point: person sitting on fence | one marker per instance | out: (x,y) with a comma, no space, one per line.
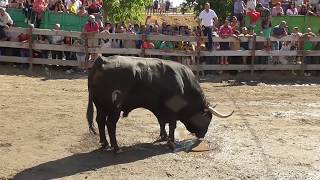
(82,12)
(235,25)
(277,10)
(5,22)
(225,31)
(57,40)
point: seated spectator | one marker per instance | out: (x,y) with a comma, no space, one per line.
(15,4)
(5,22)
(292,11)
(73,6)
(59,7)
(94,8)
(306,11)
(27,10)
(225,31)
(82,12)
(277,10)
(234,24)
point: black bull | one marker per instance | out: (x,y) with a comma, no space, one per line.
(168,89)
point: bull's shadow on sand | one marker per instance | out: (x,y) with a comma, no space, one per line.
(93,160)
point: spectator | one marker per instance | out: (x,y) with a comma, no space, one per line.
(13,37)
(81,56)
(208,20)
(239,9)
(251,5)
(15,4)
(59,7)
(167,6)
(225,31)
(67,41)
(27,10)
(94,8)
(254,17)
(298,2)
(82,12)
(91,25)
(155,6)
(5,22)
(265,24)
(38,8)
(279,31)
(318,9)
(4,3)
(292,11)
(73,6)
(277,10)
(234,24)
(313,3)
(51,4)
(244,45)
(42,39)
(265,3)
(24,38)
(56,40)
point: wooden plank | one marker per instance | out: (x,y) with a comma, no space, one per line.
(53,47)
(225,53)
(312,53)
(124,36)
(50,32)
(276,53)
(257,67)
(14,59)
(14,44)
(104,50)
(17,29)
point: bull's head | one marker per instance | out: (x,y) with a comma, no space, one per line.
(198,124)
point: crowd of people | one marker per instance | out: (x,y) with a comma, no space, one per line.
(210,25)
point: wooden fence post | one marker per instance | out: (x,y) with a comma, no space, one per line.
(253,53)
(198,55)
(30,48)
(86,49)
(303,65)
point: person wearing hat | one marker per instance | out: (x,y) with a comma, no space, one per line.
(5,22)
(265,16)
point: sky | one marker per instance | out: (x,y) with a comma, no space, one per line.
(176,2)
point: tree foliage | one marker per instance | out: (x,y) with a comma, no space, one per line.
(223,8)
(125,10)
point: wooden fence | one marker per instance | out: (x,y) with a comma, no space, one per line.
(253,53)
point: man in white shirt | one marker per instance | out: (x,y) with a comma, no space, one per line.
(5,22)
(208,19)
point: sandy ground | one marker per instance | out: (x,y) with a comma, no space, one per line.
(274,134)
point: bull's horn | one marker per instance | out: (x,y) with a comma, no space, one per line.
(216,113)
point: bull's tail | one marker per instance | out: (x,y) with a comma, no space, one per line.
(90,109)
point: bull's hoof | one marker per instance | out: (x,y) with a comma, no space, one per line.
(161,139)
(171,145)
(104,146)
(117,150)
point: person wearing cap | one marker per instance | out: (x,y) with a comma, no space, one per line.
(208,19)
(265,16)
(279,31)
(5,22)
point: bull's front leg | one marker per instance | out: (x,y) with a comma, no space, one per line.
(111,125)
(172,128)
(101,121)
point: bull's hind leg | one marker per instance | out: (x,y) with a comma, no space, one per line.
(101,121)
(112,124)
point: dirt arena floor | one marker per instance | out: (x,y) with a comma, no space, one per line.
(274,133)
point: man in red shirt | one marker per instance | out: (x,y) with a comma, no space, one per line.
(91,25)
(225,31)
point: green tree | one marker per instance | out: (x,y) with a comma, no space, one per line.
(125,10)
(223,8)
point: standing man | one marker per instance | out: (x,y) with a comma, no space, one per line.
(265,15)
(208,19)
